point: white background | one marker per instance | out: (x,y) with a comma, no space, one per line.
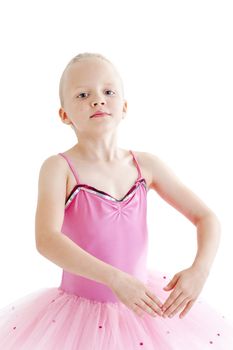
(175,58)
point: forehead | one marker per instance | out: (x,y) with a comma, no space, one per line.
(90,71)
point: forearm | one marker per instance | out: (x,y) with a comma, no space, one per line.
(208,238)
(61,250)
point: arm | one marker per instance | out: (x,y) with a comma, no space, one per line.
(61,250)
(208,237)
(186,284)
(50,242)
(175,193)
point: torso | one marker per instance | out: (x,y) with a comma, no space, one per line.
(115,179)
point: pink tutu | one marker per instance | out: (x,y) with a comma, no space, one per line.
(52,319)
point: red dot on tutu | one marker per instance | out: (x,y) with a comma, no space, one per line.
(218,334)
(52,301)
(141,343)
(53,320)
(164,277)
(100,326)
(211,342)
(14,327)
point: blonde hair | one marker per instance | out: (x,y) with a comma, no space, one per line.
(78,58)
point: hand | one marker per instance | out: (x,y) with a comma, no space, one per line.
(187,286)
(135,295)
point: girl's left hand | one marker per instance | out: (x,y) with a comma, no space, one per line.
(188,284)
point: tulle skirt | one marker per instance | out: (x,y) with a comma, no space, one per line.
(51,319)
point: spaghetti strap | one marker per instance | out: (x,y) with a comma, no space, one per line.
(76,175)
(137,165)
(71,167)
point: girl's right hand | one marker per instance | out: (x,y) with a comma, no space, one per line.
(135,295)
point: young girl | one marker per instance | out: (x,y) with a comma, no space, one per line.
(91,221)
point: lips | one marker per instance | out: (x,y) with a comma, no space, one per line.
(99,114)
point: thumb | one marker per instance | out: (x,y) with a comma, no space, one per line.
(171,284)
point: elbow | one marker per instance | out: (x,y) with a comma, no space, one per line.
(40,244)
(39,248)
(43,241)
(212,219)
(209,215)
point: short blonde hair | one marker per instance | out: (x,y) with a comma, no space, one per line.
(78,58)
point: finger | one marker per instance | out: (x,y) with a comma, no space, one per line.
(172,311)
(154,298)
(175,304)
(152,304)
(187,308)
(170,300)
(172,282)
(137,310)
(146,308)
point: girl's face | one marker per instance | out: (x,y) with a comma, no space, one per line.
(91,85)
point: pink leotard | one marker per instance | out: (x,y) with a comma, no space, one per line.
(114,231)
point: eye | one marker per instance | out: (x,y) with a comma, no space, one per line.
(111,91)
(82,93)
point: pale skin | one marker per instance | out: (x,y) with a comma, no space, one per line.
(97,148)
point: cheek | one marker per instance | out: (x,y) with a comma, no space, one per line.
(117,104)
(78,110)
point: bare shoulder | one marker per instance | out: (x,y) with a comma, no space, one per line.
(51,198)
(54,161)
(155,167)
(148,162)
(170,187)
(52,168)
(141,161)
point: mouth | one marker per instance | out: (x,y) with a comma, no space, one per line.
(97,115)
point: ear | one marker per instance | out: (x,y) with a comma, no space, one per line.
(125,106)
(64,116)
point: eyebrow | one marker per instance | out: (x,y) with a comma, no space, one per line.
(86,86)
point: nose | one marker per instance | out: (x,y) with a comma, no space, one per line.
(98,100)
(100,103)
